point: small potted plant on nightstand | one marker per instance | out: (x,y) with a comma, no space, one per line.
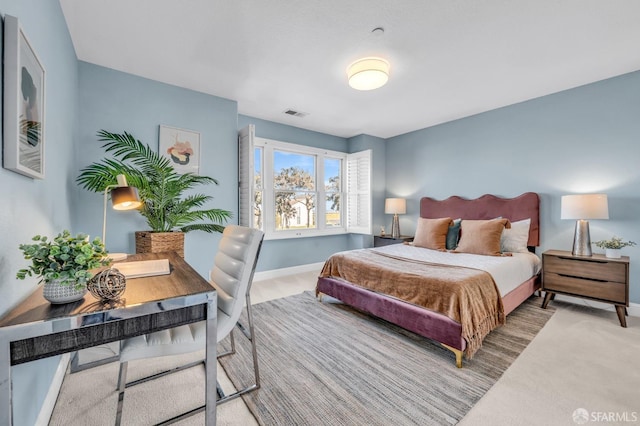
(64,264)
(613,246)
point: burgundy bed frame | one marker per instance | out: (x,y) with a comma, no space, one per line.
(428,323)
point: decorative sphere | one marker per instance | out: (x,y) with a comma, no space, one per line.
(107,285)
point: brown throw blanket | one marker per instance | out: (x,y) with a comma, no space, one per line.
(468,296)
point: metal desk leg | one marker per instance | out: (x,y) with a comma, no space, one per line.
(5,383)
(211,361)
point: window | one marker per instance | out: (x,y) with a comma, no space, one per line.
(291,190)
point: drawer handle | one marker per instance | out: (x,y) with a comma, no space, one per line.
(585,260)
(583,278)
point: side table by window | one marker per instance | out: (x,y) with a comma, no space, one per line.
(379,241)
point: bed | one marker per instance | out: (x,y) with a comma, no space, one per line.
(386,278)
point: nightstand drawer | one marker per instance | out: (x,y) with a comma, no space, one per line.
(605,290)
(587,268)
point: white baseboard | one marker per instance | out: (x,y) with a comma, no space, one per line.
(276,273)
(52,396)
(633,309)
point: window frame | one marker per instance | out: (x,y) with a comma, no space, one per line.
(268,191)
(355,217)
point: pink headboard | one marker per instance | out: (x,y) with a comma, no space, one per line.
(488,206)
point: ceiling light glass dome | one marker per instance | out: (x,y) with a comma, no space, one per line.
(368,73)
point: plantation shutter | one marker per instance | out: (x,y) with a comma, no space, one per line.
(358,185)
(246,138)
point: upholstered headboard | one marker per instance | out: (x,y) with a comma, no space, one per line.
(488,206)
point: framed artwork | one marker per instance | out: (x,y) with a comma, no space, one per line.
(181,147)
(24,91)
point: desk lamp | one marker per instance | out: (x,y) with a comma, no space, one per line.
(123,197)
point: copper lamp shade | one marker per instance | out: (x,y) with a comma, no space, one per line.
(125,198)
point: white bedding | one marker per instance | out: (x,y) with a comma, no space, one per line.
(508,272)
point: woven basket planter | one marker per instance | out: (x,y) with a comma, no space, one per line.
(156,242)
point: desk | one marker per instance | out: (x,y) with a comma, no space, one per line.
(36,329)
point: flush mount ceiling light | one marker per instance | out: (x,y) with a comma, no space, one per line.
(368,73)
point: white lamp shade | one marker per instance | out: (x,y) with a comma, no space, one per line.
(584,206)
(395,206)
(368,73)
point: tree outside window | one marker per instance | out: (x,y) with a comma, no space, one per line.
(295,190)
(332,179)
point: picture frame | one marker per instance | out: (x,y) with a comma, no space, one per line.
(181,147)
(23,103)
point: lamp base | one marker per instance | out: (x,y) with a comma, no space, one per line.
(395,227)
(582,239)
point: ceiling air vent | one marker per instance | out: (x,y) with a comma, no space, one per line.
(296,113)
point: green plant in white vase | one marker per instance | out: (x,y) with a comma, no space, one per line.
(65,260)
(613,245)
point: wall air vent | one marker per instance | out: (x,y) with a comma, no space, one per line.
(296,113)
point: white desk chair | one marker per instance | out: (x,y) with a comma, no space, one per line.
(232,275)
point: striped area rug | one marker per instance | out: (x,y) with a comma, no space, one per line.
(328,364)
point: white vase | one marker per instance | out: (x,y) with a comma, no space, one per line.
(613,253)
(56,292)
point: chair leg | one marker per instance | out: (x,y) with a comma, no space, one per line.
(250,334)
(252,338)
(122,376)
(253,342)
(233,346)
(233,342)
(158,375)
(122,384)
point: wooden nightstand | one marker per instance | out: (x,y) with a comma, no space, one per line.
(597,277)
(387,240)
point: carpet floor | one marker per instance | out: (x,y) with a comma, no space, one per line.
(325,363)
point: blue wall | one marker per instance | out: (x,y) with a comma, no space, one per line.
(45,207)
(583,140)
(118,102)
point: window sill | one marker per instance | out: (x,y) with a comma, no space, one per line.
(300,233)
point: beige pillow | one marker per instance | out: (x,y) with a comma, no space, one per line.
(515,240)
(432,233)
(481,236)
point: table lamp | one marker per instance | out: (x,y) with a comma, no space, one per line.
(395,206)
(581,208)
(123,197)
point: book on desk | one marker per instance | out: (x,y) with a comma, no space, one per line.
(143,268)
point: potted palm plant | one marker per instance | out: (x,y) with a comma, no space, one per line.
(168,210)
(64,264)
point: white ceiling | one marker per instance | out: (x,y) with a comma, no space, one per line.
(449,58)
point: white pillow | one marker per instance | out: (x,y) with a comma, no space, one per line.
(515,240)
